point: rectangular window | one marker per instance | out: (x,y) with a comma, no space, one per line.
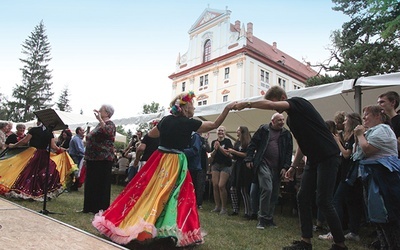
(225,98)
(205,80)
(183,86)
(282,82)
(202,103)
(262,75)
(201,81)
(226,73)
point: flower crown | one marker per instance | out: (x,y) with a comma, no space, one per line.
(176,109)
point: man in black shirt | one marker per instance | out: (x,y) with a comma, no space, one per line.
(317,143)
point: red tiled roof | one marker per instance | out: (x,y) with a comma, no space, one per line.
(278,56)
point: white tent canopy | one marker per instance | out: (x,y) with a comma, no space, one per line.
(349,95)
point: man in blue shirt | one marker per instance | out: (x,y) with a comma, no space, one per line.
(76,151)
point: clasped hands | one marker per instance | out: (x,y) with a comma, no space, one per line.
(359,130)
(237,105)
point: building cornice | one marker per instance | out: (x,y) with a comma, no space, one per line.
(251,52)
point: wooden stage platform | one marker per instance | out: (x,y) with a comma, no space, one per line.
(21,228)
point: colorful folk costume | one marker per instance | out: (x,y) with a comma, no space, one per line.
(23,175)
(159,202)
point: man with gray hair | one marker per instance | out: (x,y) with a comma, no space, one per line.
(269,155)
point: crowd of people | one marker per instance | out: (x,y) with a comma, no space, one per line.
(347,167)
(361,152)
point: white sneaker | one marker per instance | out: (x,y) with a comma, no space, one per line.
(327,236)
(352,236)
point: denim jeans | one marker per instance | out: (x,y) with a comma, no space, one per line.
(264,176)
(254,197)
(269,184)
(276,187)
(319,178)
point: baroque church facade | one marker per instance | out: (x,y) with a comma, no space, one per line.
(227,62)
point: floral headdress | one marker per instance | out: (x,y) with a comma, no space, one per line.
(176,109)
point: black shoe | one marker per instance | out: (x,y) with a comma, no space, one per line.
(261,224)
(298,245)
(233,213)
(336,247)
(271,223)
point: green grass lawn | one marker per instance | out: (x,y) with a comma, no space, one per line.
(223,232)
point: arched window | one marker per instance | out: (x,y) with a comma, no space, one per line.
(207,51)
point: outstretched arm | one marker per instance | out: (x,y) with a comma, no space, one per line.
(209,125)
(279,106)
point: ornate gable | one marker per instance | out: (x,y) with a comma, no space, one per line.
(208,16)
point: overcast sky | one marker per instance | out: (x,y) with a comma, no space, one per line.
(121,52)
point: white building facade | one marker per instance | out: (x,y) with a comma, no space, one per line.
(226,62)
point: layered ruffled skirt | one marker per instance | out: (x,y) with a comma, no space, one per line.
(24,175)
(158,202)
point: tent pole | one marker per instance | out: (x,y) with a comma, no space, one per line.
(357,99)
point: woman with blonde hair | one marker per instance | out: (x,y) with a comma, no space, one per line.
(221,168)
(160,202)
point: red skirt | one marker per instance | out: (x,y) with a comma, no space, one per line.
(158,202)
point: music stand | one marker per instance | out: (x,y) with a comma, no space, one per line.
(51,121)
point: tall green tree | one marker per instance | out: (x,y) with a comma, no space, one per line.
(154,107)
(3,108)
(63,100)
(366,45)
(34,93)
(385,8)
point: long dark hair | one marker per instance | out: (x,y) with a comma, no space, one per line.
(353,119)
(245,136)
